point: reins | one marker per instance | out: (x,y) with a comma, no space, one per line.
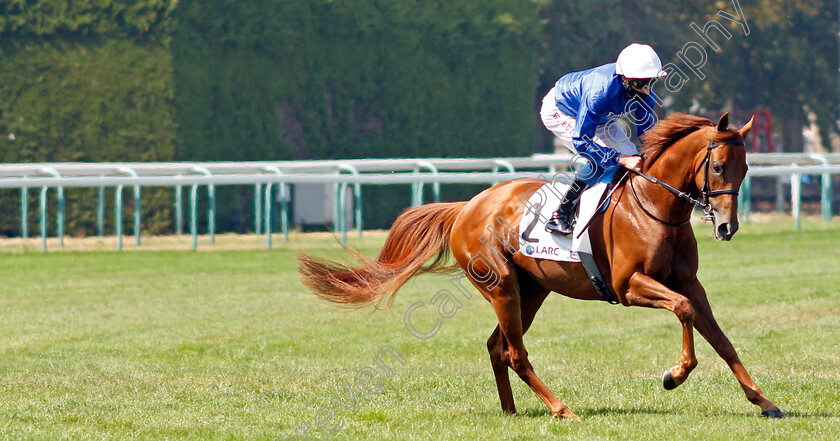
(667,187)
(706,192)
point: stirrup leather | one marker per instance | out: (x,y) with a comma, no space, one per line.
(563,220)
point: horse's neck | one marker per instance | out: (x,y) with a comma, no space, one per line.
(677,164)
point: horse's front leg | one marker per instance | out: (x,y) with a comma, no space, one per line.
(645,291)
(706,324)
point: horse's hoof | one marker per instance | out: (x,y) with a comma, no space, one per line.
(773,413)
(668,381)
(567,414)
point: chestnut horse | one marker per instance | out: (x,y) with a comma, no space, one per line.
(643,245)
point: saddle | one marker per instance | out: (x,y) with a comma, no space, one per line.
(537,243)
(538,206)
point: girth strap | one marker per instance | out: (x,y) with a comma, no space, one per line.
(596,278)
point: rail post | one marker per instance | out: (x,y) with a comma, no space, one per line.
(24,212)
(417,187)
(825,190)
(137,213)
(796,198)
(341,203)
(60,218)
(506,164)
(284,214)
(211,204)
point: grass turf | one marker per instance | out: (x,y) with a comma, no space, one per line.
(228,345)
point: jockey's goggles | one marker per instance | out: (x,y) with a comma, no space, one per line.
(640,83)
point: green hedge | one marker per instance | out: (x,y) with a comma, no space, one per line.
(110,80)
(320,79)
(85,99)
(26,18)
(351,79)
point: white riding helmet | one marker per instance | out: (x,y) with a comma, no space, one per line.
(639,61)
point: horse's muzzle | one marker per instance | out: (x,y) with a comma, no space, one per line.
(726,230)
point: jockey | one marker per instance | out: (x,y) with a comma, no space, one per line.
(582,109)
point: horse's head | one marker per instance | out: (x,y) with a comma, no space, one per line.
(721,168)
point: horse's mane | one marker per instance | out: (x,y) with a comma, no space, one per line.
(667,132)
(672,129)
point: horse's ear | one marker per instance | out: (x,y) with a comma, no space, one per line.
(723,123)
(746,129)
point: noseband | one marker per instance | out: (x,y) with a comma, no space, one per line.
(706,192)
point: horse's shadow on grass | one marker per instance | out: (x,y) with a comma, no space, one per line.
(601,411)
(608,411)
(795,414)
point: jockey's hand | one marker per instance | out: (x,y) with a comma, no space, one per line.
(631,162)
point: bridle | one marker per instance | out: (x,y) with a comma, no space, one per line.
(705,191)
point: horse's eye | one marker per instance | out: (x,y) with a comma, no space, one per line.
(717,167)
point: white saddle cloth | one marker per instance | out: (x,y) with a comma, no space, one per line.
(536,242)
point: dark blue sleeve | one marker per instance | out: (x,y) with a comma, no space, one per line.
(589,113)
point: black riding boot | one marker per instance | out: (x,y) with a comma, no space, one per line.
(563,220)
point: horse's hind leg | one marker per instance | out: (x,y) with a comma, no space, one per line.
(496,278)
(498,348)
(509,310)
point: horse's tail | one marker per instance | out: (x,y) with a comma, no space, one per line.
(418,234)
